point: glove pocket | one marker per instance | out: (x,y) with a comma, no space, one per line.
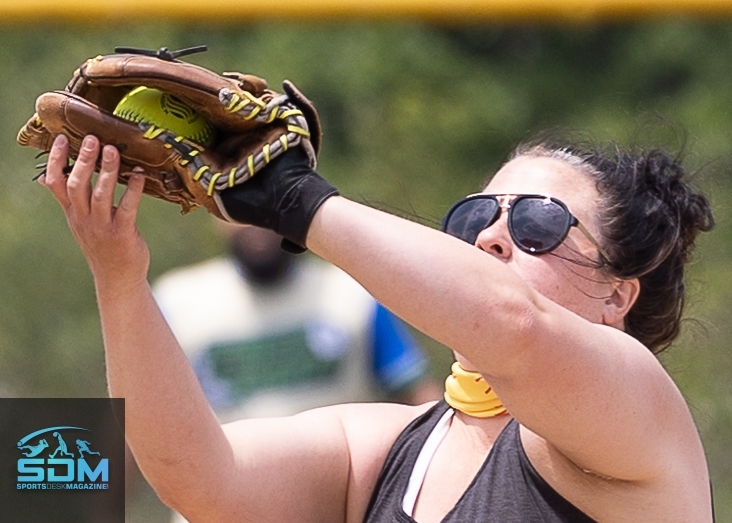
(60,112)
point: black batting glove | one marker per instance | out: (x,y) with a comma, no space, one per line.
(283,197)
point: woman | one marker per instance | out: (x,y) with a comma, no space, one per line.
(555,302)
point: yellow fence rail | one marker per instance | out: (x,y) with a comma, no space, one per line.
(434,10)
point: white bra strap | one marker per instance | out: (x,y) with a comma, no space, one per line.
(423,461)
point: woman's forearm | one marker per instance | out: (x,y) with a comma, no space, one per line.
(166,410)
(451,291)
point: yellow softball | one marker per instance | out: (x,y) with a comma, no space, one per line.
(144,104)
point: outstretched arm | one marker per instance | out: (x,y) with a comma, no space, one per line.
(293,469)
(143,363)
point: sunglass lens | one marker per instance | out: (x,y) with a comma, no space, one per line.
(538,225)
(468,218)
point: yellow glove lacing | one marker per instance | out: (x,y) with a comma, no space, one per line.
(249,107)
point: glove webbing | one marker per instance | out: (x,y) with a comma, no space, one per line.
(249,108)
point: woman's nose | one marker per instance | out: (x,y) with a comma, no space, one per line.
(496,239)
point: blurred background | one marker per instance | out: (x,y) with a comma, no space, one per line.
(417,112)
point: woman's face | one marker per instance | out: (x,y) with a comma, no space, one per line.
(567,275)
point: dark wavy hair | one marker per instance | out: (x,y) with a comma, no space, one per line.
(650,216)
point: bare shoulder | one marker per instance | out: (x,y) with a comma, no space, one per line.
(369,425)
(631,450)
(370,430)
(326,459)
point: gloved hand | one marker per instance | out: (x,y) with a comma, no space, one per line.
(284,198)
(192,131)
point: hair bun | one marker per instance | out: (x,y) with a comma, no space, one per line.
(688,209)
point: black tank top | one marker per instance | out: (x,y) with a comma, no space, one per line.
(507,488)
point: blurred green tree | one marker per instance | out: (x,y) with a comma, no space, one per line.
(415,116)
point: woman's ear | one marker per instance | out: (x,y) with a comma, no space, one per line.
(617,305)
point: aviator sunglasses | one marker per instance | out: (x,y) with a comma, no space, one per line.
(537,224)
